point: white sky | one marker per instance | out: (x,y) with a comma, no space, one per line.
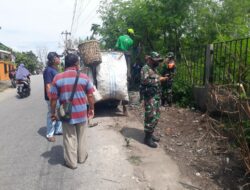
(32,24)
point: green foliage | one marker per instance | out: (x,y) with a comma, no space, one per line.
(233,20)
(165,25)
(29,59)
(173,25)
(182,93)
(246,130)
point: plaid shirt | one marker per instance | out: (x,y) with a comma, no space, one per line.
(61,89)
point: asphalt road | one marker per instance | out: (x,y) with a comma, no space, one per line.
(29,162)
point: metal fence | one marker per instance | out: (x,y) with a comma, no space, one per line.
(228,62)
(191,67)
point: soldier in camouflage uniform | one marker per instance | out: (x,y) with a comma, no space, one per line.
(151,92)
(167,69)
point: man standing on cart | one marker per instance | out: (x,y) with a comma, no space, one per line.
(124,44)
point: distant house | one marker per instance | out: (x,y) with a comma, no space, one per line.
(7,63)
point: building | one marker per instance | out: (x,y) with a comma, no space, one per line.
(6,64)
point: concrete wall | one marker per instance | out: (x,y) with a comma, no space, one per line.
(5,75)
(200,94)
(200,97)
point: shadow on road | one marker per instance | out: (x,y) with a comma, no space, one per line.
(55,155)
(106,111)
(42,131)
(133,133)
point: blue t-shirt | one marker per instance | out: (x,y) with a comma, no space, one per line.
(48,76)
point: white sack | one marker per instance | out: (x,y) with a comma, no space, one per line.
(112,76)
(96,94)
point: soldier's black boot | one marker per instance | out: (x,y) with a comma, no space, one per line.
(149,141)
(155,139)
(162,102)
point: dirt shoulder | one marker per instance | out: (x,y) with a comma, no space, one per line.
(203,155)
(153,169)
(4,85)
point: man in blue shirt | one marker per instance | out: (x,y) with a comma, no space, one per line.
(53,128)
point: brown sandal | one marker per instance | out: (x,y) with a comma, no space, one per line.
(51,139)
(84,160)
(70,167)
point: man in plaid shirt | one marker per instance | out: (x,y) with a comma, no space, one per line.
(74,135)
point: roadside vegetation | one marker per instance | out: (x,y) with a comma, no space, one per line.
(29,59)
(172,25)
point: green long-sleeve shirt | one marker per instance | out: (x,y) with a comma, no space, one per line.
(124,43)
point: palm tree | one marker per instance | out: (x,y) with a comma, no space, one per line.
(94,28)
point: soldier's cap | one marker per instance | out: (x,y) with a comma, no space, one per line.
(52,55)
(155,56)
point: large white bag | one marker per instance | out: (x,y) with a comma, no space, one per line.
(111,76)
(88,72)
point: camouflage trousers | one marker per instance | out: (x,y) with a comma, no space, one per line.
(152,113)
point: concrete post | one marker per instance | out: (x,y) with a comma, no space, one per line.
(208,65)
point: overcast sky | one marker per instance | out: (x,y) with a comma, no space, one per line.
(32,24)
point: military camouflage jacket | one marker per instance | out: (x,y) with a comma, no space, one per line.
(150,83)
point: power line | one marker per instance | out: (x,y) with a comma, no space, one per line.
(79,11)
(73,18)
(90,16)
(88,2)
(88,19)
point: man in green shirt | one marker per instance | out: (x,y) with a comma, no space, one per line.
(124,44)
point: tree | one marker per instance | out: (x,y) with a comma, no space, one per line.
(167,25)
(233,20)
(94,29)
(29,59)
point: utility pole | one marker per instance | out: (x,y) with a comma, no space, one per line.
(66,33)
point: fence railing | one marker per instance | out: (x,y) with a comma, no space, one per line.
(191,67)
(221,63)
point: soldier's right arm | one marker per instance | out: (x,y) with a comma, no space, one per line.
(148,78)
(144,76)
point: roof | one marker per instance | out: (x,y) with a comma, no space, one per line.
(3,51)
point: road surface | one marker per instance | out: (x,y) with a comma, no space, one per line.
(29,162)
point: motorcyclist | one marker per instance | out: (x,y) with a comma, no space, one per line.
(23,74)
(168,70)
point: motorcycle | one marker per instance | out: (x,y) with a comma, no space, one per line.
(23,88)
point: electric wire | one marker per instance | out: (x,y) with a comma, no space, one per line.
(88,3)
(90,17)
(73,18)
(79,9)
(79,13)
